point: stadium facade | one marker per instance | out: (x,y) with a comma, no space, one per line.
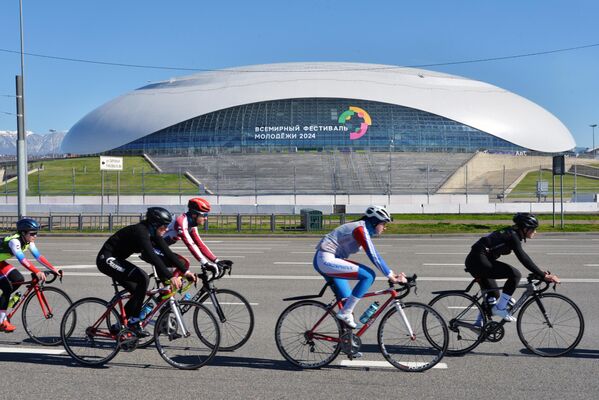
(318,106)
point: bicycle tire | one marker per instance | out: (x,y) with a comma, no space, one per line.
(294,334)
(82,344)
(565,332)
(460,312)
(417,352)
(238,326)
(41,329)
(192,351)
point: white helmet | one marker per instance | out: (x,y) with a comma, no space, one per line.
(379,213)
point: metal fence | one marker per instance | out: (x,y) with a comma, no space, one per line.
(216,223)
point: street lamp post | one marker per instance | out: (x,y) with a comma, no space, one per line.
(594,151)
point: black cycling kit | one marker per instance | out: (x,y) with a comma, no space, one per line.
(132,239)
(482,261)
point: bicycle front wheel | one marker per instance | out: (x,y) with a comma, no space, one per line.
(192,341)
(41,319)
(464,317)
(308,334)
(550,325)
(85,331)
(415,343)
(235,315)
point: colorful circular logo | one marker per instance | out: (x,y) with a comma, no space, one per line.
(366,121)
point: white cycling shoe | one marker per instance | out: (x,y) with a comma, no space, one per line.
(347,318)
(503,313)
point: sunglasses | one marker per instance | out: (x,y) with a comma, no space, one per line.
(32,233)
(205,215)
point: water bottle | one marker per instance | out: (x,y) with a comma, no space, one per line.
(369,312)
(186,297)
(147,309)
(14,300)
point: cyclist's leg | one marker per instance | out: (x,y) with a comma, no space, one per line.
(513,275)
(10,281)
(134,280)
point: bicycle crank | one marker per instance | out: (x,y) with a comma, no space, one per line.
(493,331)
(127,340)
(350,345)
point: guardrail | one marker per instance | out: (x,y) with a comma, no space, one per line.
(215,223)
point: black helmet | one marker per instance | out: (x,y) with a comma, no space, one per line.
(158,216)
(27,225)
(526,220)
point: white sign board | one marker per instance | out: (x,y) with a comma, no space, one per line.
(111,163)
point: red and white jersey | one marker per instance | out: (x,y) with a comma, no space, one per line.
(179,229)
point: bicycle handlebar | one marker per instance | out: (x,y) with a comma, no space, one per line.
(535,280)
(405,288)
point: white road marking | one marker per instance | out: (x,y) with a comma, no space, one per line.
(441,254)
(591,265)
(440,264)
(292,263)
(383,364)
(31,350)
(573,254)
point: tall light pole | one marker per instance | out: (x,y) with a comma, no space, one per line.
(21,139)
(594,151)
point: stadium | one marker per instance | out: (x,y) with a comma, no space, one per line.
(324,128)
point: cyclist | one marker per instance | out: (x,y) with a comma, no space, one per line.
(482,262)
(185,227)
(144,237)
(331,260)
(10,278)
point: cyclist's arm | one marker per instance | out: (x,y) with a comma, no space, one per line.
(171,258)
(183,233)
(43,260)
(363,238)
(195,235)
(525,258)
(15,247)
(147,248)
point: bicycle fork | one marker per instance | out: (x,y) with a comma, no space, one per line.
(399,308)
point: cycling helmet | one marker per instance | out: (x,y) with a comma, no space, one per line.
(526,221)
(158,216)
(198,205)
(379,213)
(27,225)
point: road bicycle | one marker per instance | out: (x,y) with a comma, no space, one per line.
(411,336)
(42,323)
(233,311)
(98,329)
(548,324)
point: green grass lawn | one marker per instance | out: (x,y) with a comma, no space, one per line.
(528,186)
(82,176)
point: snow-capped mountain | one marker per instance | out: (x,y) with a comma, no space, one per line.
(37,145)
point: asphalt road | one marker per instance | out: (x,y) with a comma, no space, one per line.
(268,269)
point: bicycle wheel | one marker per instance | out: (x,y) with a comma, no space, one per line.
(419,349)
(308,334)
(461,313)
(43,327)
(90,341)
(550,325)
(194,348)
(237,319)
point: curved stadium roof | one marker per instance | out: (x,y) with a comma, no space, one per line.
(474,103)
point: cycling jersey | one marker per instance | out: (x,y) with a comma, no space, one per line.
(347,239)
(184,228)
(137,239)
(503,242)
(15,246)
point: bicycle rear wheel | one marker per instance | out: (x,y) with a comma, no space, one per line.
(237,322)
(43,327)
(461,312)
(418,350)
(85,331)
(308,334)
(550,325)
(194,348)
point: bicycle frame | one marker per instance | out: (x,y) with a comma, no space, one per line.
(35,286)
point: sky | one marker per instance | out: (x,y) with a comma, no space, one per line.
(196,34)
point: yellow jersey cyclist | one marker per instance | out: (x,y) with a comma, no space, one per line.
(10,278)
(331,260)
(144,237)
(482,262)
